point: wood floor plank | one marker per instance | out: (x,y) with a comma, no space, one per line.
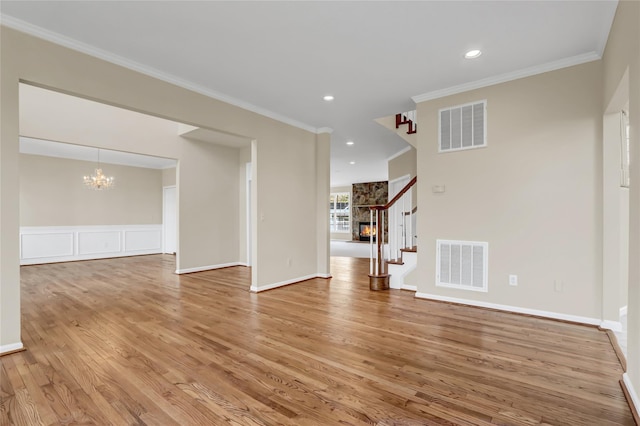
(126,341)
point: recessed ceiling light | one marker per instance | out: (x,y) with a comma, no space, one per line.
(352,162)
(328,98)
(350,143)
(472,54)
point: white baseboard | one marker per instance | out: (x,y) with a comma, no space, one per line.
(5,349)
(207,268)
(50,244)
(623,311)
(611,325)
(515,309)
(409,287)
(632,392)
(256,289)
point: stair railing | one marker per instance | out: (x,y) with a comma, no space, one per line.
(387,247)
(410,118)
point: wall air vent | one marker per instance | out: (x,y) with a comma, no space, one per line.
(463,127)
(462,265)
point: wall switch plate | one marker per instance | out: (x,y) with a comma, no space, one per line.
(558,286)
(513,280)
(437,189)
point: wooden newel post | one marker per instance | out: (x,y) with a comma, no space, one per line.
(379,279)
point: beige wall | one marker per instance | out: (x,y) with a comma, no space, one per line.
(404,164)
(533,193)
(622,56)
(281,255)
(52,194)
(169,177)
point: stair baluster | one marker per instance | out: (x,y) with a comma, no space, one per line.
(385,245)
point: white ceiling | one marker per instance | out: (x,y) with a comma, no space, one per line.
(280,58)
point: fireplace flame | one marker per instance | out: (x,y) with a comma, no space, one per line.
(366,231)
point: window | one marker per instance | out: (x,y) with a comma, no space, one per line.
(625,158)
(340,212)
(463,127)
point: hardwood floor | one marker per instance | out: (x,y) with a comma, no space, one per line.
(125,341)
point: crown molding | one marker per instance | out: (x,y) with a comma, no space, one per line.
(70,43)
(399,153)
(320,130)
(503,78)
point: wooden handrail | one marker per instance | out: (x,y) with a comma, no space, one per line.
(398,195)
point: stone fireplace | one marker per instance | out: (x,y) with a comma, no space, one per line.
(365,195)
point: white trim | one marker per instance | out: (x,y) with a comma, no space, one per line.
(399,153)
(68,42)
(510,76)
(164,217)
(611,325)
(207,268)
(635,401)
(243,264)
(12,347)
(258,289)
(508,308)
(623,311)
(406,177)
(409,287)
(52,244)
(320,130)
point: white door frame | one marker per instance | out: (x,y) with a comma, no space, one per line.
(164,218)
(248,212)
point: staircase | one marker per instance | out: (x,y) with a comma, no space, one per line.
(393,253)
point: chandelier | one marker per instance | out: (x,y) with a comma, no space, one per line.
(98,181)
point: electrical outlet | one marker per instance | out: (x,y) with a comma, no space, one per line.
(513,280)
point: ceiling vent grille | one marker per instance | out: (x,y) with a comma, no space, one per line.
(463,127)
(462,265)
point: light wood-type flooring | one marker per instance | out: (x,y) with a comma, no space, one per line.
(125,341)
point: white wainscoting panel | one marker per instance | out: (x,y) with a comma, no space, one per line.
(98,242)
(142,240)
(48,244)
(38,246)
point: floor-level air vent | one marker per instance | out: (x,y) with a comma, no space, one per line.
(463,127)
(462,264)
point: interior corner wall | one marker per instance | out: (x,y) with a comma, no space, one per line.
(52,194)
(169,177)
(622,55)
(533,193)
(403,165)
(286,203)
